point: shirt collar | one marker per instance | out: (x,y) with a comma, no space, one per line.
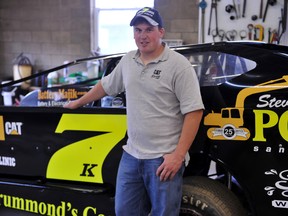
(163,57)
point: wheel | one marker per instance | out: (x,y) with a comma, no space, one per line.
(206,197)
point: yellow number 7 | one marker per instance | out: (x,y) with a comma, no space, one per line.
(83,160)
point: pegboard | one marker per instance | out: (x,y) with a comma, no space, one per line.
(262,27)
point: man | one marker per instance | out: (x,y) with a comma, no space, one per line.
(164,109)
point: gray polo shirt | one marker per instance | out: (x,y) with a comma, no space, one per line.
(157,97)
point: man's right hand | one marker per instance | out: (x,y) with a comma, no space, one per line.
(71,104)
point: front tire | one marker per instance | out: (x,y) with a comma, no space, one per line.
(206,197)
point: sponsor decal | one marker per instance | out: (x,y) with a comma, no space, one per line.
(9,128)
(277,149)
(264,119)
(281,185)
(13,128)
(228,132)
(2,130)
(7,161)
(90,152)
(68,94)
(43,208)
(229,122)
(261,123)
(58,97)
(83,160)
(87,170)
(267,101)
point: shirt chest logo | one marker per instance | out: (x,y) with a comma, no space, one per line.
(156,74)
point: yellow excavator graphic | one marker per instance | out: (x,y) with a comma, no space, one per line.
(231,119)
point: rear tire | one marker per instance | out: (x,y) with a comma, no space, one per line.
(206,197)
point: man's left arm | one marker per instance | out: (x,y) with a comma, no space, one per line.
(173,161)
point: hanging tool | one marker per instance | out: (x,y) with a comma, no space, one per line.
(243,34)
(269,2)
(203,5)
(231,35)
(269,35)
(244,8)
(280,24)
(274,37)
(259,33)
(220,34)
(235,8)
(229,8)
(239,8)
(254,17)
(213,7)
(266,9)
(214,34)
(261,9)
(250,28)
(283,21)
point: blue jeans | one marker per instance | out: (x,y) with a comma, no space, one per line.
(140,192)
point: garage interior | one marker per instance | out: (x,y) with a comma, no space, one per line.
(48,33)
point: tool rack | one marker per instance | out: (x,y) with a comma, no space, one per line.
(229,20)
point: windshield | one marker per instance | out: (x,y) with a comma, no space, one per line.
(72,80)
(215,68)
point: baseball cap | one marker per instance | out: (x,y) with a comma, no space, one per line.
(151,15)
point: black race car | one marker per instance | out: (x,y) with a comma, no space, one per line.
(57,162)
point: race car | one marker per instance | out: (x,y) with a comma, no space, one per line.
(58,162)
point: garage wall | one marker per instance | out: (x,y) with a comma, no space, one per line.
(47,31)
(52,31)
(180,19)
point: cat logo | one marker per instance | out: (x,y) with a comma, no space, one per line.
(9,128)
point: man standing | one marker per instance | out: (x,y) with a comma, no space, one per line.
(164,110)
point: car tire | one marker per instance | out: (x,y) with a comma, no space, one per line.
(207,197)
